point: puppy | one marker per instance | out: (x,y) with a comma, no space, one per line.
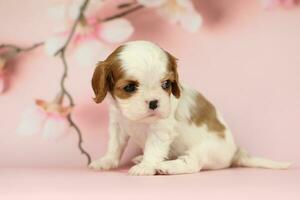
(177,128)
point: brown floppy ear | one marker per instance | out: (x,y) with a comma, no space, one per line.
(172,65)
(100,81)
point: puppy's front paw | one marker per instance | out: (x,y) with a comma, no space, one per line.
(104,163)
(164,168)
(142,170)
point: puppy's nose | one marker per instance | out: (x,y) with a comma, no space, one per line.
(153,104)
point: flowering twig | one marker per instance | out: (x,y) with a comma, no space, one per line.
(76,22)
(122,14)
(126,5)
(132,7)
(18,49)
(61,52)
(71,101)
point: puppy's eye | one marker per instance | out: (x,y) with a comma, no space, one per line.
(130,88)
(166,84)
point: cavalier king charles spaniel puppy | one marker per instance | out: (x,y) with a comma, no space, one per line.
(179,130)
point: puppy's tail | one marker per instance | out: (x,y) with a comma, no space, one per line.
(243,159)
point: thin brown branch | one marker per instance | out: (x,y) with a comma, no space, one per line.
(61,52)
(21,49)
(126,5)
(63,79)
(80,141)
(71,101)
(122,14)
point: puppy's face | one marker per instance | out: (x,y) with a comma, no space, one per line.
(141,77)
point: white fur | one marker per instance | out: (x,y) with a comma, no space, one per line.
(170,145)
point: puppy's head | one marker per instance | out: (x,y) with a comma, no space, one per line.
(141,77)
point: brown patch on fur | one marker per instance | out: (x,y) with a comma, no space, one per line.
(172,67)
(119,88)
(205,113)
(170,76)
(106,74)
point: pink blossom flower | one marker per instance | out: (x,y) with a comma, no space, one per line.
(180,12)
(68,11)
(269,4)
(47,118)
(86,43)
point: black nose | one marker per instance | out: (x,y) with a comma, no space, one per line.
(153,104)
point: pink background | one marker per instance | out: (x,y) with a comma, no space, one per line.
(244,59)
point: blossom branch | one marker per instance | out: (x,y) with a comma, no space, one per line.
(132,7)
(61,52)
(63,79)
(122,14)
(75,24)
(126,5)
(77,21)
(71,101)
(18,49)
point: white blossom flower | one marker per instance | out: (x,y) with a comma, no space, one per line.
(69,11)
(47,118)
(87,40)
(181,12)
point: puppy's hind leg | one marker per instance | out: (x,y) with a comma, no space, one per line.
(182,165)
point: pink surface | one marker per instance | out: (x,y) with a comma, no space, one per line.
(244,59)
(83,184)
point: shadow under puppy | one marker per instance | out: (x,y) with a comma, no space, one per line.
(177,128)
